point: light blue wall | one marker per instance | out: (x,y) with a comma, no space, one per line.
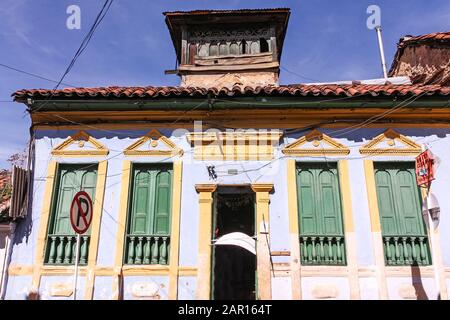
(196,172)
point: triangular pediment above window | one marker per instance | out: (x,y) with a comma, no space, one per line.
(391,142)
(80,144)
(315,143)
(153,144)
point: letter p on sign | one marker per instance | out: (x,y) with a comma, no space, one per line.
(81,212)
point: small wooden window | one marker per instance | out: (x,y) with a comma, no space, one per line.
(213,49)
(192,53)
(243,47)
(234,48)
(263,45)
(223,49)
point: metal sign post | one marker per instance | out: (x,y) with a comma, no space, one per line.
(77,257)
(431,233)
(80,219)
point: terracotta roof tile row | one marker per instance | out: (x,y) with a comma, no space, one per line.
(349,90)
(431,37)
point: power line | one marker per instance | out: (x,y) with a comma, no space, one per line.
(298,75)
(82,47)
(33,75)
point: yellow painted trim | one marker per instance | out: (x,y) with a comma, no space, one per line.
(62,270)
(350,237)
(43,223)
(175,230)
(95,229)
(121,224)
(317,138)
(263,240)
(104,271)
(187,271)
(241,124)
(80,136)
(27,270)
(154,137)
(344,181)
(20,270)
(377,240)
(203,290)
(247,145)
(372,196)
(146,270)
(391,136)
(292,196)
(294,230)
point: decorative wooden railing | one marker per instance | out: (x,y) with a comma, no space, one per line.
(147,249)
(322,250)
(406,250)
(61,249)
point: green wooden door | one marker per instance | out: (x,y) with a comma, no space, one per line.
(72,178)
(320,215)
(399,205)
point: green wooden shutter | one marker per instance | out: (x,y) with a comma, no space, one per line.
(72,178)
(151,201)
(319,199)
(163,202)
(399,204)
(307,201)
(140,217)
(398,198)
(61,239)
(329,200)
(320,215)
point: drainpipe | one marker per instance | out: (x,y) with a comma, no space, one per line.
(7,258)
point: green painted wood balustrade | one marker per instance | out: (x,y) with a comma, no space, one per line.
(62,249)
(147,249)
(322,250)
(406,250)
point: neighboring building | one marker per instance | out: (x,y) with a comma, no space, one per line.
(322,175)
(6,226)
(425,59)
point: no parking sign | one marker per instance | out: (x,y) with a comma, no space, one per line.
(81,212)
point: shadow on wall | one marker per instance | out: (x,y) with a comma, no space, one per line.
(416,279)
(370,133)
(108,134)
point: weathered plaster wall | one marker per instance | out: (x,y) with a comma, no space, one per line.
(194,173)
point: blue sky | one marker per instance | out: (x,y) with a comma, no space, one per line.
(325,41)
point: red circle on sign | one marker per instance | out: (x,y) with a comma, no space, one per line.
(78,213)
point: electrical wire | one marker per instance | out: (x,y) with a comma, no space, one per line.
(107,4)
(34,75)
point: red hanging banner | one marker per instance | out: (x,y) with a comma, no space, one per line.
(425,168)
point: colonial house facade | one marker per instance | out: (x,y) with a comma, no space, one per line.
(233,186)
